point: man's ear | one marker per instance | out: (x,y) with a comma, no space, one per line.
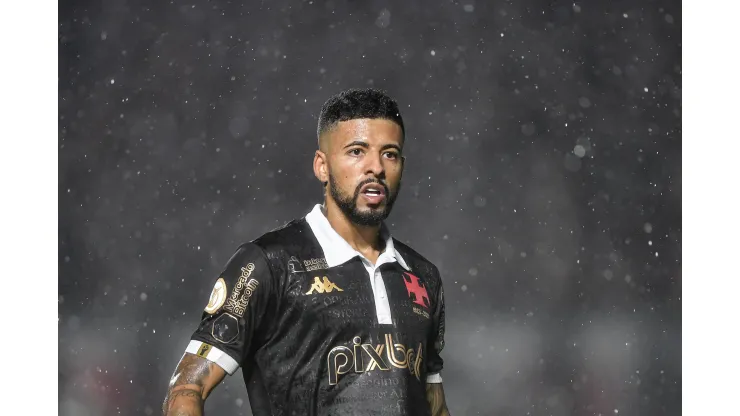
(320,167)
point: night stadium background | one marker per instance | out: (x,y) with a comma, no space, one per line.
(543,178)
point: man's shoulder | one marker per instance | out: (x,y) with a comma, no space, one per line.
(280,240)
(416,262)
(274,247)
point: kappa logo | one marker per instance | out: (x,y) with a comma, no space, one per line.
(325,286)
(415,287)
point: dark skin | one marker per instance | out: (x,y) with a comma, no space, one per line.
(352,151)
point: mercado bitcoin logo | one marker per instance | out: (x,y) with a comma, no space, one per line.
(239,299)
(368,357)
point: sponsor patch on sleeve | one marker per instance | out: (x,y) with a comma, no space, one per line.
(225,328)
(218,297)
(239,299)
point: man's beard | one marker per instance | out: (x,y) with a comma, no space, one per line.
(348,204)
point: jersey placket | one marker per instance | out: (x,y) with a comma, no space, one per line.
(382,305)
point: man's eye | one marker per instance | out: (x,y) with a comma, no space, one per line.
(355,152)
(391,155)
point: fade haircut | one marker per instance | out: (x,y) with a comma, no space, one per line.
(358,103)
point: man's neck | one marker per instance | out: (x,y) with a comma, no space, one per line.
(364,239)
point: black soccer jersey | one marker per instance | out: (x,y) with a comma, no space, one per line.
(319,330)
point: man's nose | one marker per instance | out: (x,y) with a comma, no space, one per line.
(375,165)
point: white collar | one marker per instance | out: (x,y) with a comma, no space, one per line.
(336,249)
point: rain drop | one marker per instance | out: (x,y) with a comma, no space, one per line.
(579,150)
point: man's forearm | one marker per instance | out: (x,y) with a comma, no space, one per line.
(191,384)
(184,401)
(436,399)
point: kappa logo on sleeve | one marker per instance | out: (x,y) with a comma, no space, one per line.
(218,296)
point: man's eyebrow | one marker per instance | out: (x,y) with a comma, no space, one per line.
(391,146)
(357,143)
(365,145)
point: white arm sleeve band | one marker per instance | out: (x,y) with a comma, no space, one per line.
(214,355)
(434,378)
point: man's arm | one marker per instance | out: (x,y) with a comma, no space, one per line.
(435,394)
(192,382)
(436,399)
(240,302)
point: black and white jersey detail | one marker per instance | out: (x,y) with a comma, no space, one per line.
(320,330)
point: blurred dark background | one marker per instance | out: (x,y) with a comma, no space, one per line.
(543,178)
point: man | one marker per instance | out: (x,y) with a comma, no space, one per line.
(328,315)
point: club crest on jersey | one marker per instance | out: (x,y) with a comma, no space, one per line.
(325,286)
(416,290)
(368,357)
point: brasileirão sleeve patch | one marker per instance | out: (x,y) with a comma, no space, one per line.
(218,297)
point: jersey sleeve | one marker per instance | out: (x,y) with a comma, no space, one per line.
(237,308)
(436,339)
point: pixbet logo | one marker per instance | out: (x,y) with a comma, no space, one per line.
(367,357)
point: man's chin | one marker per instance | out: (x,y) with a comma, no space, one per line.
(373,210)
(370,216)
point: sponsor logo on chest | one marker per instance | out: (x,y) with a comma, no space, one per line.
(315,264)
(368,357)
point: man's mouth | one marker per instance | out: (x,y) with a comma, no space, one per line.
(373,192)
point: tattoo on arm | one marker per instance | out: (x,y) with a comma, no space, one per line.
(193,380)
(184,393)
(436,399)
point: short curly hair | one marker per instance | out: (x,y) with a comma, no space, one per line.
(358,103)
